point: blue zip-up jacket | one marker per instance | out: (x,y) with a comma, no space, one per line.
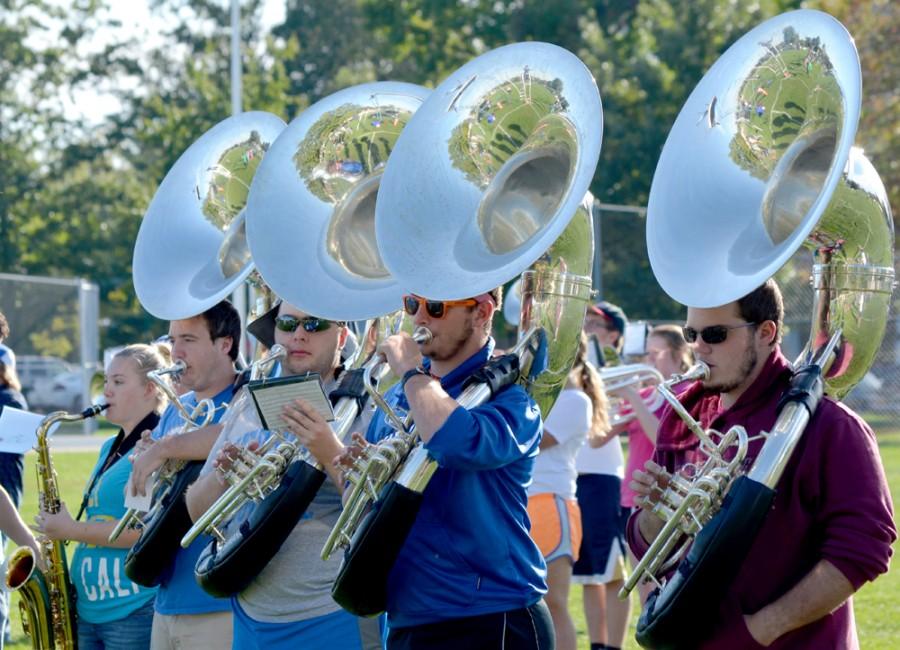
(469,551)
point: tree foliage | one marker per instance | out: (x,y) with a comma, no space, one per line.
(72,191)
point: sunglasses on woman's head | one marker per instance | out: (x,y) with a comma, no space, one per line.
(710,335)
(309,324)
(434,308)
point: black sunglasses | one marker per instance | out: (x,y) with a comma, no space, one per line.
(309,324)
(712,334)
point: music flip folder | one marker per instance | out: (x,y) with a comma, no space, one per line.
(271,395)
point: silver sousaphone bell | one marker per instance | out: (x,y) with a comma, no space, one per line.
(311,211)
(760,163)
(191,250)
(490,171)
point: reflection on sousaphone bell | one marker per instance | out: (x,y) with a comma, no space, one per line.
(489,171)
(773,169)
(191,250)
(311,210)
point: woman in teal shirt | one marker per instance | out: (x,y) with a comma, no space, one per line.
(113,612)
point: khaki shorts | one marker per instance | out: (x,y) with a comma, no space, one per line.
(191,631)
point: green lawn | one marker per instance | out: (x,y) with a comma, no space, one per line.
(878,630)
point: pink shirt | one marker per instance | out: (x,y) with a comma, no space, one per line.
(832,503)
(640,449)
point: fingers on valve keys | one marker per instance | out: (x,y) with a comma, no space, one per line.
(649,484)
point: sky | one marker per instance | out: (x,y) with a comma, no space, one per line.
(146,26)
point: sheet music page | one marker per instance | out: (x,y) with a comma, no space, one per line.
(271,396)
(18,430)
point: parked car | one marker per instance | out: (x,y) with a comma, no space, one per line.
(870,394)
(37,374)
(65,392)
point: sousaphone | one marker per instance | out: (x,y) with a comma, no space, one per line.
(190,253)
(760,163)
(489,178)
(311,231)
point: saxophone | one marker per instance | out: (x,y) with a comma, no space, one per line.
(47,599)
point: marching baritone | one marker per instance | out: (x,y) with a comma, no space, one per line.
(186,616)
(830,528)
(468,575)
(114,613)
(289,603)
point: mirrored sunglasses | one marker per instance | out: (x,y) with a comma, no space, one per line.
(309,324)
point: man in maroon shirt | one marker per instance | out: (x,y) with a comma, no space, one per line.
(831,526)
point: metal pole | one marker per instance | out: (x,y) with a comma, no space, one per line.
(596,209)
(239,296)
(597,271)
(88,317)
(236,89)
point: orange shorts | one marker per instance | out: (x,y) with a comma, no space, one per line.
(555,525)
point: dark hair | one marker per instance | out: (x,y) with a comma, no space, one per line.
(762,304)
(223,320)
(678,347)
(4,327)
(586,377)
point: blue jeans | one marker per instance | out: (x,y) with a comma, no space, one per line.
(129,633)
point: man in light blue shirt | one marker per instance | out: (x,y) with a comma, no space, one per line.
(186,616)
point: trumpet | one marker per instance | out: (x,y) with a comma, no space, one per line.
(616,378)
(198,417)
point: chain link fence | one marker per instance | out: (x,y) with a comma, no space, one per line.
(54,333)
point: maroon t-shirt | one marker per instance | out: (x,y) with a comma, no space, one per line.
(831,503)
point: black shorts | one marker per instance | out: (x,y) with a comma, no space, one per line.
(528,628)
(602,555)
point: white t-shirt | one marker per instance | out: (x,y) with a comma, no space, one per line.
(607,459)
(568,422)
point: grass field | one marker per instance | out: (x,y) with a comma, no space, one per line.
(877,604)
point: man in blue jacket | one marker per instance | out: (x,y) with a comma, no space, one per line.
(469,575)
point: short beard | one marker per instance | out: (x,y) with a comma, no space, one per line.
(454,345)
(748,363)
